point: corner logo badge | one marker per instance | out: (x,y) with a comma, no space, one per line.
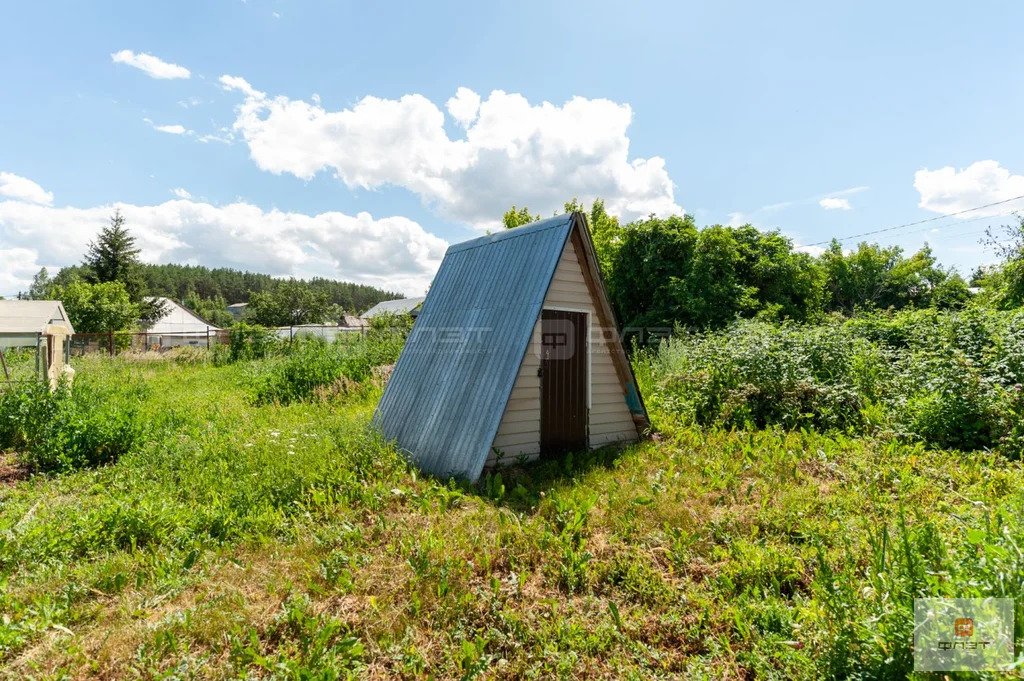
(963,627)
(963,634)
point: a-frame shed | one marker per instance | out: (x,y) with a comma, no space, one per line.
(515,354)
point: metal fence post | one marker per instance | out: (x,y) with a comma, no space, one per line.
(110,343)
(207,337)
(39,340)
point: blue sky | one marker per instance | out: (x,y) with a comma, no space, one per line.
(332,138)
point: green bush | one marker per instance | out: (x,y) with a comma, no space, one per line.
(68,429)
(948,379)
(346,365)
(756,374)
(251,341)
(22,408)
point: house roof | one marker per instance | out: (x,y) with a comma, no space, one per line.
(353,321)
(179,320)
(403,306)
(32,316)
(445,399)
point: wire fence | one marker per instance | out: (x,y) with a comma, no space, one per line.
(28,357)
(120,342)
(18,365)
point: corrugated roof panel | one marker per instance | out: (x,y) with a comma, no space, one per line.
(448,391)
(393,307)
(32,316)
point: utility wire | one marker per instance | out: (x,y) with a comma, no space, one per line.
(919,222)
(951,224)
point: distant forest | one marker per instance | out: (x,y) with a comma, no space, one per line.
(234,286)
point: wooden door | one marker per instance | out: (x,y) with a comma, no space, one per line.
(563,384)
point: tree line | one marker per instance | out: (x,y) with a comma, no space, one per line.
(661,272)
(111,290)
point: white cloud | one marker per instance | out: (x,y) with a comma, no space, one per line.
(464,106)
(822,199)
(214,138)
(223,135)
(17,267)
(23,189)
(173,129)
(812,250)
(181,193)
(738,219)
(513,152)
(947,190)
(833,203)
(154,67)
(230,83)
(393,252)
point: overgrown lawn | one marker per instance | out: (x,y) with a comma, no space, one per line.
(238,538)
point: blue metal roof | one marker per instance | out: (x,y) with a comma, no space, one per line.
(446,396)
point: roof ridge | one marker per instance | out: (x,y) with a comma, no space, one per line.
(512,233)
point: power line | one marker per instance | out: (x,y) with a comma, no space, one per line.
(919,222)
(952,224)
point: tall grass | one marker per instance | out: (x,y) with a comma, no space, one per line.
(284,539)
(950,380)
(67,429)
(312,367)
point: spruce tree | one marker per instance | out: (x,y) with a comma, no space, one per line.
(41,285)
(114,257)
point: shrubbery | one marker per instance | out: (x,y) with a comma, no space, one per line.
(70,429)
(313,365)
(949,379)
(250,341)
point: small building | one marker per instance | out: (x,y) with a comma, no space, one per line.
(515,355)
(353,322)
(409,306)
(178,326)
(238,310)
(22,320)
(42,324)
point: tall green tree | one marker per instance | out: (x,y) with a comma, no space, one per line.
(607,235)
(1005,284)
(214,310)
(42,286)
(875,277)
(98,308)
(517,217)
(293,303)
(113,257)
(667,271)
(652,262)
(782,282)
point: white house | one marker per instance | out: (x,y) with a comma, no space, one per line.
(178,326)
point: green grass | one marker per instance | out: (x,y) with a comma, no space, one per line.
(259,540)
